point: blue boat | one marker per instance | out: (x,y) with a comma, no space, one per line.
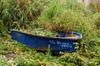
(64,44)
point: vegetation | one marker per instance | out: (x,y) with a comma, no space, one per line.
(47,17)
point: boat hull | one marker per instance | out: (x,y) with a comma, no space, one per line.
(42,42)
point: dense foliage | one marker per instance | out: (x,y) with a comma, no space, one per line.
(46,17)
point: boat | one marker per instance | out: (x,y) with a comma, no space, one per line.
(56,44)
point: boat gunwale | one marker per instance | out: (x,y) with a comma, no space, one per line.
(66,38)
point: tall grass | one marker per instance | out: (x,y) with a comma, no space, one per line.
(20,12)
(3,30)
(52,15)
(68,16)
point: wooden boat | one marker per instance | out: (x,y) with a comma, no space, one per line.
(64,44)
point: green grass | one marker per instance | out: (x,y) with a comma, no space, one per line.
(14,53)
(53,16)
